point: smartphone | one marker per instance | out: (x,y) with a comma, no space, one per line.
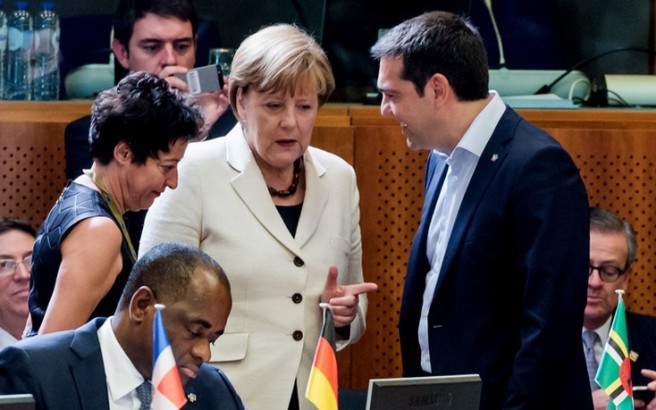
(205,79)
(642,393)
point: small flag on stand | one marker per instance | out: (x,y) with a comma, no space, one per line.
(322,385)
(168,393)
(614,373)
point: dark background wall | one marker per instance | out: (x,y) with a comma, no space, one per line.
(537,34)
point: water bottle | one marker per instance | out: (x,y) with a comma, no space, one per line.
(45,79)
(18,77)
(3,47)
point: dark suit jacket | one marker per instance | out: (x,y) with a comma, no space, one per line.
(65,371)
(642,340)
(509,301)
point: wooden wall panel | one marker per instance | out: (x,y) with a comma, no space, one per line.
(390,178)
(333,133)
(614,149)
(31,171)
(623,181)
(616,155)
(32,163)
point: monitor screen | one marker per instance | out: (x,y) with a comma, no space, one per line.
(459,392)
(352,27)
(16,402)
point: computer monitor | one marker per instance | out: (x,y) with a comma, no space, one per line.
(352,27)
(458,392)
(17,402)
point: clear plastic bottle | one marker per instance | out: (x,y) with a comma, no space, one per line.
(18,84)
(3,47)
(45,79)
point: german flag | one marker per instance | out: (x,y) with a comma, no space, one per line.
(614,373)
(322,385)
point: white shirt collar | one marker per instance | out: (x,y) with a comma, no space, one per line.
(6,338)
(122,377)
(480,131)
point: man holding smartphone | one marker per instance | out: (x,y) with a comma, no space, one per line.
(157,36)
(612,252)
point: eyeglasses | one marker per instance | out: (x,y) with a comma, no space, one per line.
(9,266)
(607,273)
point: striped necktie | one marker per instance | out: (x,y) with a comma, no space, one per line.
(589,339)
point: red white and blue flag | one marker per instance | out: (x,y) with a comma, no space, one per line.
(167,387)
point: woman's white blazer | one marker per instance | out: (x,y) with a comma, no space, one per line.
(222,205)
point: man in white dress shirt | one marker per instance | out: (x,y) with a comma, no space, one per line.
(107,364)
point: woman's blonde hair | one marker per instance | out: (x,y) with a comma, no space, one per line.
(277,58)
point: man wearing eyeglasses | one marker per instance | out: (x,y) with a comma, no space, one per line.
(16,242)
(612,251)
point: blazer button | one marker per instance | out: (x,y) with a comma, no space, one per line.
(297,298)
(297,335)
(298,262)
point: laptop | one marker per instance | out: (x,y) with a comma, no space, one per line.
(459,392)
(17,402)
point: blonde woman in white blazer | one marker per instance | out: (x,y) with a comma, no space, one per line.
(281,217)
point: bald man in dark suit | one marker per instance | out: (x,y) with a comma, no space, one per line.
(106,360)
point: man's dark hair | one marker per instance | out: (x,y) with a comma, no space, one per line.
(438,42)
(144,112)
(167,270)
(9,224)
(604,221)
(129,11)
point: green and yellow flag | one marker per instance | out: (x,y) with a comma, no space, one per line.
(614,373)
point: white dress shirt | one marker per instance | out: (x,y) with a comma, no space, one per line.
(6,338)
(122,377)
(462,163)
